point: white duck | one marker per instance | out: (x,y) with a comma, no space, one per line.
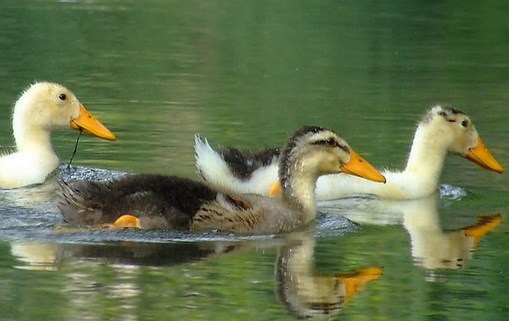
(443,129)
(44,107)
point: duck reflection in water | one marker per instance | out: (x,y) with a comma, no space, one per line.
(310,295)
(305,293)
(432,247)
(46,256)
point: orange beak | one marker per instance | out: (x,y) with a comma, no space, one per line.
(90,125)
(358,166)
(482,157)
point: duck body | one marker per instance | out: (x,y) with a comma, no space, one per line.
(43,108)
(442,130)
(37,164)
(159,201)
(171,202)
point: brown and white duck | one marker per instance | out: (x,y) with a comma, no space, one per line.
(151,201)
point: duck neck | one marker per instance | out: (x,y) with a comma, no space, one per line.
(298,186)
(427,155)
(31,138)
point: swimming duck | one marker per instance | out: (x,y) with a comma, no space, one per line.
(44,107)
(150,201)
(443,129)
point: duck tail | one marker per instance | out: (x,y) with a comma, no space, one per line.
(76,202)
(210,166)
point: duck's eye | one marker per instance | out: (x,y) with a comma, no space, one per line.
(62,97)
(464,123)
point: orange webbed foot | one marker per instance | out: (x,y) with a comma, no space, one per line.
(124,221)
(274,188)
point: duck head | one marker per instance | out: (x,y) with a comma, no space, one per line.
(51,106)
(318,151)
(461,136)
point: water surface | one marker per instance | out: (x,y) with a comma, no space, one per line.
(248,73)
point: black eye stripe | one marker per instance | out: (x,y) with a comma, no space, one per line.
(331,143)
(325,142)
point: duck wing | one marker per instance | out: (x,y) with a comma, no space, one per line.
(228,213)
(246,214)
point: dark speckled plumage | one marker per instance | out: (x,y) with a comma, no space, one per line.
(243,164)
(175,199)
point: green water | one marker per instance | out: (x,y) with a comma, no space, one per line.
(247,73)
